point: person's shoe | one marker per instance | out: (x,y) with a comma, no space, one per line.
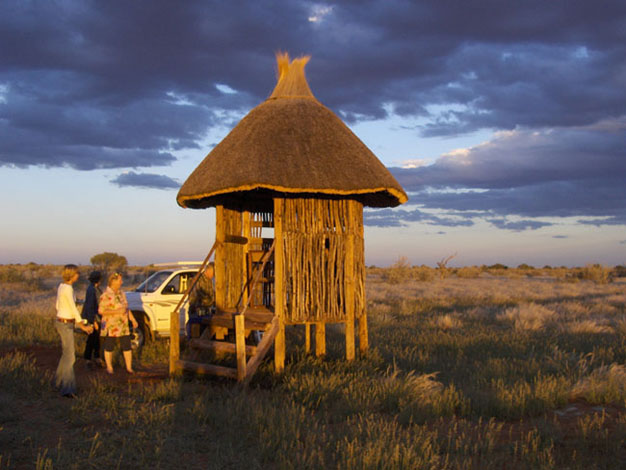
(70,395)
(100,363)
(110,371)
(131,372)
(91,365)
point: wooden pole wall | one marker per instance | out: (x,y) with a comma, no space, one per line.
(246,232)
(323,260)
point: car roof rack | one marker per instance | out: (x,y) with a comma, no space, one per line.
(178,264)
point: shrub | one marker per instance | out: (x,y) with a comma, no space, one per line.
(11,274)
(398,271)
(468,272)
(422,273)
(596,273)
(498,266)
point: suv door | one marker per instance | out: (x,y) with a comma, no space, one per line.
(170,295)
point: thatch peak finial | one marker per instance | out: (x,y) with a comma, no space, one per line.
(291,78)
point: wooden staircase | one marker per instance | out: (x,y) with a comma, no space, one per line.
(240,321)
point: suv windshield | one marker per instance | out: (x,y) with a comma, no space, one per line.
(153,282)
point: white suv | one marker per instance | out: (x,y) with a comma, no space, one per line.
(154,299)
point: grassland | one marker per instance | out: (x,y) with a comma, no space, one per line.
(481,369)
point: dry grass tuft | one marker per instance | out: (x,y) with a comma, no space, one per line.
(449,322)
(528,316)
(573,309)
(606,384)
(586,326)
(620,325)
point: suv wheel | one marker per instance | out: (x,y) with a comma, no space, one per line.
(139,335)
(137,338)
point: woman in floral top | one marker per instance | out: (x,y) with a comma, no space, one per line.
(113,308)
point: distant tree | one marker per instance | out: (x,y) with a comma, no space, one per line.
(442,266)
(107,262)
(498,266)
(525,266)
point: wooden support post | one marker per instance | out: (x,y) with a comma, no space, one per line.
(279,286)
(360,248)
(363,340)
(240,343)
(307,338)
(220,259)
(320,339)
(350,284)
(174,342)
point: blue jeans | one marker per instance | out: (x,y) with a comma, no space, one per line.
(65,379)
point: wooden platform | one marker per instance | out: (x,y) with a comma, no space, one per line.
(242,320)
(256,318)
(245,368)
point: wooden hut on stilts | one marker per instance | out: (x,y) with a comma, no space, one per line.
(291,169)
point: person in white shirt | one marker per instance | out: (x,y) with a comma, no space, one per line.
(67,318)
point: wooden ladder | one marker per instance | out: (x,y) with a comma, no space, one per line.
(242,320)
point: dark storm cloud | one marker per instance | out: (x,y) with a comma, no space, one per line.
(525,157)
(400,217)
(502,64)
(619,219)
(140,79)
(554,172)
(519,225)
(145,180)
(593,198)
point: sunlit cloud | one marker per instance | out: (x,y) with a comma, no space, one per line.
(178,99)
(319,12)
(223,88)
(415,163)
(4,90)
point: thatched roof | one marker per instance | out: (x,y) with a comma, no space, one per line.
(290,144)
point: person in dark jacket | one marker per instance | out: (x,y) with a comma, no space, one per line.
(90,313)
(201,301)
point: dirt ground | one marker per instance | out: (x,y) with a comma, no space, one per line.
(567,421)
(47,358)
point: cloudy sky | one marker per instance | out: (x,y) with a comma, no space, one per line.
(504,121)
